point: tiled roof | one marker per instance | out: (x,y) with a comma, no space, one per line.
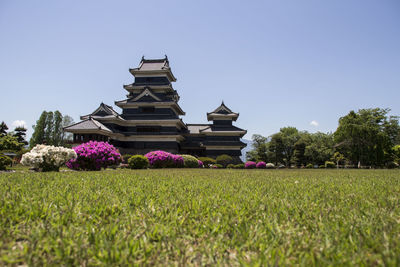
(208,128)
(89,124)
(222,109)
(197,128)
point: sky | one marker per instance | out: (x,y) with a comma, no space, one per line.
(278,63)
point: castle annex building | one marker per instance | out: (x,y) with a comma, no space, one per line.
(150,120)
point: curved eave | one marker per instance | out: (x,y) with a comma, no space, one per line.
(89,131)
(214,116)
(123,104)
(223,147)
(97,117)
(225,133)
(133,87)
(121,121)
(168,72)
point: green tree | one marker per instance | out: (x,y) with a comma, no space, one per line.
(396,153)
(300,159)
(49,130)
(366,137)
(260,149)
(289,136)
(20,134)
(3,128)
(57,132)
(65,136)
(10,143)
(38,136)
(320,148)
(275,149)
(299,153)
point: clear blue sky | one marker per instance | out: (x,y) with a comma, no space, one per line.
(278,63)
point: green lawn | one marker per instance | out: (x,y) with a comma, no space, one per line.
(199,217)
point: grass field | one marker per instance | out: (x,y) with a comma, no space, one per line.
(200,217)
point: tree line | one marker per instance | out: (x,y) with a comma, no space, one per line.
(47,130)
(368,137)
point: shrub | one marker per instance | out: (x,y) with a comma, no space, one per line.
(93,155)
(48,158)
(270,165)
(309,166)
(4,162)
(224,160)
(162,159)
(126,157)
(189,161)
(330,164)
(138,162)
(239,166)
(207,161)
(261,165)
(201,165)
(250,165)
(217,166)
(231,166)
(322,166)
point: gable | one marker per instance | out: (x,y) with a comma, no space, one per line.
(148,94)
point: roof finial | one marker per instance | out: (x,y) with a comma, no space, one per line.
(166,58)
(142,57)
(223,103)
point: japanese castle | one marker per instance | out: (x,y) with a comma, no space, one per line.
(150,120)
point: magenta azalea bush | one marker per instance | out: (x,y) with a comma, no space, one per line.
(201,165)
(250,165)
(93,155)
(261,165)
(162,159)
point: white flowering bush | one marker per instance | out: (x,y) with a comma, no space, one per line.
(47,158)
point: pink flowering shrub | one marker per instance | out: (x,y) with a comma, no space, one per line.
(250,165)
(201,165)
(162,159)
(93,155)
(261,165)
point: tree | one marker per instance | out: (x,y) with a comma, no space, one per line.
(320,149)
(260,149)
(289,137)
(396,153)
(65,136)
(38,136)
(275,149)
(49,129)
(56,135)
(10,143)
(3,128)
(20,134)
(299,153)
(366,137)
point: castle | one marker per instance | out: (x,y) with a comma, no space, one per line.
(150,120)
